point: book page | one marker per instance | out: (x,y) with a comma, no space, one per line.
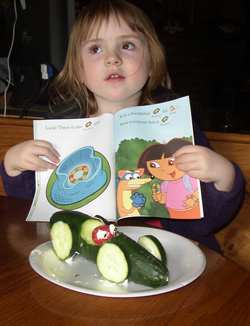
(148,183)
(83,179)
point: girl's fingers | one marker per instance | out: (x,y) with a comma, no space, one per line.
(44,143)
(188,149)
(28,156)
(48,151)
(38,164)
(189,166)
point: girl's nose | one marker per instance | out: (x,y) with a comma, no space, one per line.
(113,59)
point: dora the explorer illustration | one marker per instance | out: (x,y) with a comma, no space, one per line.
(178,191)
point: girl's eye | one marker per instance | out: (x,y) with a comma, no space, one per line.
(128,46)
(154,165)
(95,49)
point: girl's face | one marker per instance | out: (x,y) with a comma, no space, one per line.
(164,169)
(116,65)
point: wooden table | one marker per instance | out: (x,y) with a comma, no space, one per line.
(220,296)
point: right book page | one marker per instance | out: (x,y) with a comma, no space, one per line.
(148,182)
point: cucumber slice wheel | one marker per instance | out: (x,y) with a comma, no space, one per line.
(87,229)
(153,245)
(64,239)
(112,263)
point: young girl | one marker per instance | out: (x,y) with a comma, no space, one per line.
(115,60)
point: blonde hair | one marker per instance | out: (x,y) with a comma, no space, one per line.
(68,86)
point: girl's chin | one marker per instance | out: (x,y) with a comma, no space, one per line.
(117,102)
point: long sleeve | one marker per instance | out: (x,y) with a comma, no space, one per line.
(22,186)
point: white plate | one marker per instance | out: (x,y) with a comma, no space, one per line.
(186,262)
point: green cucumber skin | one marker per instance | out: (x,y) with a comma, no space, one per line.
(145,268)
(69,217)
(87,250)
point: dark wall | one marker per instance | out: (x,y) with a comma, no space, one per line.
(207,46)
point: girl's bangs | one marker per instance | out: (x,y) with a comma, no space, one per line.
(93,22)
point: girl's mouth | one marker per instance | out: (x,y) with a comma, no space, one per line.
(114,77)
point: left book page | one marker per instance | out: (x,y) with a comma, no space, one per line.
(83,180)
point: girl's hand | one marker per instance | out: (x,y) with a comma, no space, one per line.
(205,164)
(26,156)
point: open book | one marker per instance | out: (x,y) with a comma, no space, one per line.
(119,165)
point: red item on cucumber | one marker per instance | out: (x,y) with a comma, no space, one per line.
(103,233)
